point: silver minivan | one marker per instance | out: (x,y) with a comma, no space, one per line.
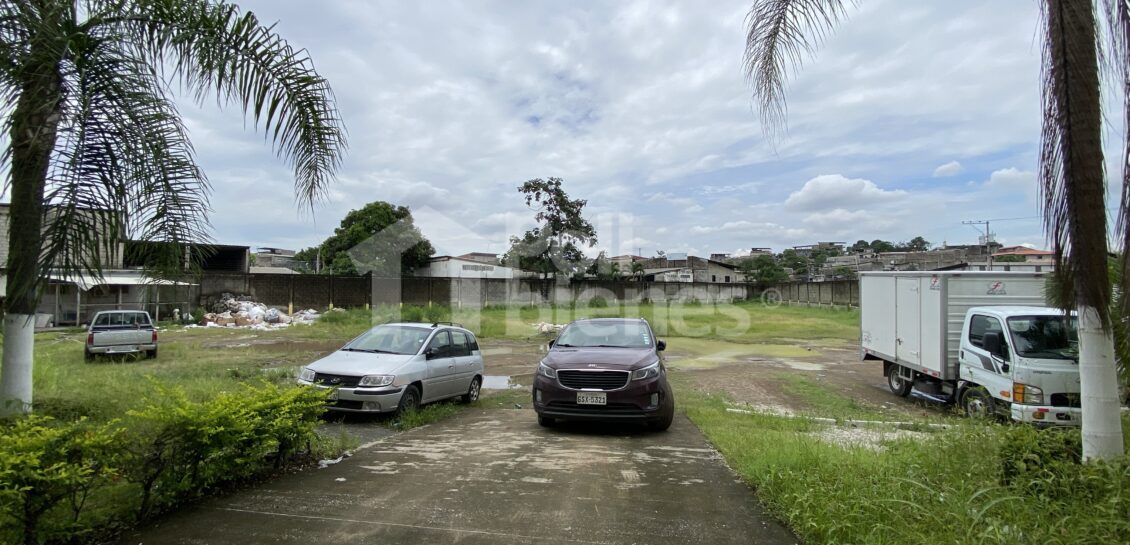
(400,366)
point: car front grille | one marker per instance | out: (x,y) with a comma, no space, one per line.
(1066,400)
(340,381)
(611,408)
(593,380)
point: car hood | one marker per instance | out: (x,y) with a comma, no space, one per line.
(603,358)
(360,363)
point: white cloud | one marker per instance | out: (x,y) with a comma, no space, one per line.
(835,190)
(1012,179)
(951,168)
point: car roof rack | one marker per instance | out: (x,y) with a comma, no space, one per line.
(453,324)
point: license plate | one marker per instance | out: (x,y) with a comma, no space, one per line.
(121,349)
(332,396)
(592,398)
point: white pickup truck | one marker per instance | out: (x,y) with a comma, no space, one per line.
(121,332)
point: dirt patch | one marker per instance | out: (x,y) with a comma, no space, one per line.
(759,375)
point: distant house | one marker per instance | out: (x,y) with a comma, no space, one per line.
(274,257)
(1031,255)
(446,266)
(689,269)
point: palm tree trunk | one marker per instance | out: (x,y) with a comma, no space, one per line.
(1079,208)
(35,124)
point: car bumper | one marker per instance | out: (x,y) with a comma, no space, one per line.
(121,349)
(363,400)
(640,401)
(1047,415)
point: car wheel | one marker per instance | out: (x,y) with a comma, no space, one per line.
(546,422)
(977,403)
(668,413)
(409,400)
(472,394)
(897,383)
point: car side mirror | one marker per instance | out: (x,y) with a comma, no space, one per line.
(431,353)
(992,344)
(660,345)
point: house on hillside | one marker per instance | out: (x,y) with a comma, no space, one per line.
(1030,256)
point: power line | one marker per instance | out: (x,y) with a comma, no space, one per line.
(988,238)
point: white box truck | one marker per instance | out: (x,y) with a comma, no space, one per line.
(984,340)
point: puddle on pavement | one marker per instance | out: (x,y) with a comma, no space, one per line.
(500,382)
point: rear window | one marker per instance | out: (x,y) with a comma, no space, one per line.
(613,334)
(122,319)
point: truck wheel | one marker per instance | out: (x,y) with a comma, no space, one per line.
(977,403)
(899,385)
(151,354)
(86,355)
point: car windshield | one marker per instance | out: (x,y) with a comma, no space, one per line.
(1050,337)
(606,333)
(390,339)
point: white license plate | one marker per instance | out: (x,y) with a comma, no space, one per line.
(332,396)
(592,398)
(121,349)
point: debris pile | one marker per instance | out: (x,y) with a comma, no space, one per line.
(546,328)
(241,311)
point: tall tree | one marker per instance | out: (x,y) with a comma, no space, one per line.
(97,151)
(762,270)
(380,238)
(782,32)
(553,247)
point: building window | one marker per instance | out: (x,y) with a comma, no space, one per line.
(713,278)
(727,279)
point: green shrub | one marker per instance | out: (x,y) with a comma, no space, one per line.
(1028,454)
(47,471)
(185,449)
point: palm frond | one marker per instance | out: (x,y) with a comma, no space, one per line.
(125,168)
(1118,66)
(779,35)
(1073,185)
(211,47)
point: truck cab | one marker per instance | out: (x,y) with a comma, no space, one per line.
(1021,362)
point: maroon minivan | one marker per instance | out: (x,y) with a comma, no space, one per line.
(604,369)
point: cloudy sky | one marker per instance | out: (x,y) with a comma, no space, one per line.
(914,117)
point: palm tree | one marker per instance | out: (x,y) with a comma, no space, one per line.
(97,151)
(637,270)
(781,32)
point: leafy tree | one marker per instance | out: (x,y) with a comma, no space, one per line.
(845,273)
(762,270)
(918,244)
(789,259)
(861,247)
(1072,177)
(552,247)
(1010,259)
(96,141)
(380,237)
(880,246)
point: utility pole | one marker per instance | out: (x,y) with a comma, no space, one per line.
(988,239)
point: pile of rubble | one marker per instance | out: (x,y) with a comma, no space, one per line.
(546,328)
(241,311)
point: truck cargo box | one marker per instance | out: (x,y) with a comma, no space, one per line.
(915,318)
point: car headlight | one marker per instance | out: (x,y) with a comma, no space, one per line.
(376,380)
(546,371)
(651,371)
(1027,395)
(307,374)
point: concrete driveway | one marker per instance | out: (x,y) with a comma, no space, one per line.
(495,477)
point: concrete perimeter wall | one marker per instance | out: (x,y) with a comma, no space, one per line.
(837,292)
(319,291)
